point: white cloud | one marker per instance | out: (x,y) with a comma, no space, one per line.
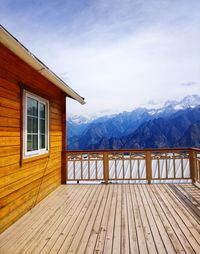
(117,54)
(191,83)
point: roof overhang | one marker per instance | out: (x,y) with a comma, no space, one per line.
(23,53)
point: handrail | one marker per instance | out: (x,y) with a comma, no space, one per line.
(146,165)
(195,149)
(133,150)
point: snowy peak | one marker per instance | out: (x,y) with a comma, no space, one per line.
(190,101)
(77,120)
(172,106)
(169,107)
(170,103)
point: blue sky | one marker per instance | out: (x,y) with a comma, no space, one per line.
(118,54)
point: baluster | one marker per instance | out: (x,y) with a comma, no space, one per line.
(105,167)
(174,166)
(81,161)
(192,158)
(148,167)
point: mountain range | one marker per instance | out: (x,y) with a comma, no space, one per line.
(176,124)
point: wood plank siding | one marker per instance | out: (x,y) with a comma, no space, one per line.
(115,218)
(21,180)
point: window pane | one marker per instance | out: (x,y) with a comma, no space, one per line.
(35,142)
(42,126)
(42,110)
(42,141)
(35,107)
(29,124)
(32,107)
(29,107)
(29,143)
(36,124)
(32,124)
(32,142)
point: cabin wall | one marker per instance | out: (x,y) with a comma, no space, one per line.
(23,183)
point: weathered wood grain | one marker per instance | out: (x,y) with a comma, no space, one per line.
(115,218)
(23,183)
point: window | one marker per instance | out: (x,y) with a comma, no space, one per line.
(36,125)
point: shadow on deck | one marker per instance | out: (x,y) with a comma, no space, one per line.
(115,218)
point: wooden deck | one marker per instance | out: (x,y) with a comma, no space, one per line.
(113,218)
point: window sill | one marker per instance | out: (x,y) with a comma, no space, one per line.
(35,157)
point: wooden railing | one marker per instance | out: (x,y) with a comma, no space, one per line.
(195,157)
(155,165)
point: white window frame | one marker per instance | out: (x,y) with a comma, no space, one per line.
(28,154)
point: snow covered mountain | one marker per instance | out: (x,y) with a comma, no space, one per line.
(83,132)
(169,107)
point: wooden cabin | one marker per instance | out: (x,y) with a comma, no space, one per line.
(159,214)
(32,129)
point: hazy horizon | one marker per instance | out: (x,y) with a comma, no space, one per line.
(155,106)
(117,54)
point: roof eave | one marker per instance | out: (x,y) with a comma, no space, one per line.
(23,53)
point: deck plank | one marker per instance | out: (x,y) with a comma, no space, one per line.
(116,248)
(179,227)
(108,243)
(32,221)
(187,199)
(99,246)
(185,219)
(44,225)
(133,239)
(163,235)
(68,220)
(138,221)
(145,223)
(81,238)
(96,229)
(125,242)
(115,218)
(66,236)
(29,218)
(165,218)
(156,234)
(52,231)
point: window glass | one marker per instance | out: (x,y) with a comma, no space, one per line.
(42,141)
(42,126)
(32,142)
(36,129)
(32,107)
(32,124)
(42,110)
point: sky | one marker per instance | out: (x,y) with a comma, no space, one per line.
(117,54)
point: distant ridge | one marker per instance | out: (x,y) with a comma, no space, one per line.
(175,124)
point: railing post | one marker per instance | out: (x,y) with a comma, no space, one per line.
(148,167)
(105,167)
(67,157)
(192,156)
(64,143)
